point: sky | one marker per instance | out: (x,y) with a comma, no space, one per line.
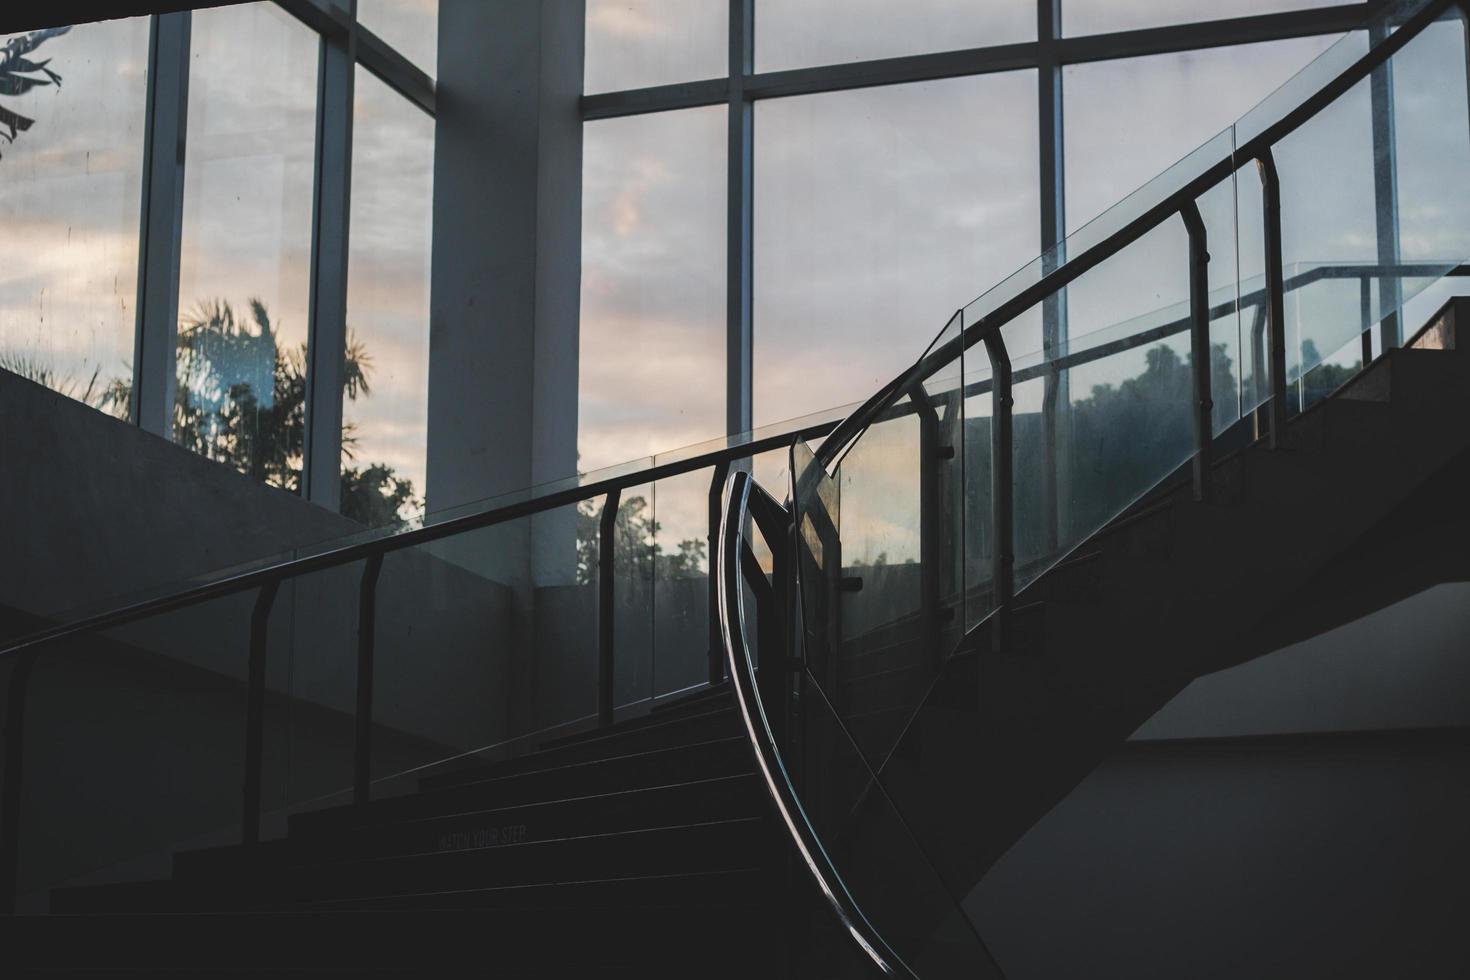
(878,212)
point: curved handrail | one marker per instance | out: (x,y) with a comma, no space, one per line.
(937,356)
(736,510)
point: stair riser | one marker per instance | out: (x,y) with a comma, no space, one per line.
(706,760)
(723,723)
(689,803)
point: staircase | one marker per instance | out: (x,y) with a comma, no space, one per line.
(894,729)
(1108,637)
(633,851)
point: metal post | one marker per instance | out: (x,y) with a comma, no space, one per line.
(15,718)
(367,605)
(716,656)
(1275,294)
(1199,347)
(161,224)
(1002,489)
(606,558)
(930,523)
(739,221)
(1055,396)
(1365,314)
(1385,191)
(1258,368)
(255,713)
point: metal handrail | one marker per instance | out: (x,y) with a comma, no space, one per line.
(296,567)
(735,513)
(1065,273)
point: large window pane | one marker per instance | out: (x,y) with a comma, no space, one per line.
(1129,120)
(72,103)
(385,408)
(635,43)
(411,26)
(652,360)
(244,275)
(801,33)
(1102,16)
(878,213)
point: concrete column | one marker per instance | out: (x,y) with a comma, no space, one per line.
(507,249)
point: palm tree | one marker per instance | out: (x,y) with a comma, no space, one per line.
(18,76)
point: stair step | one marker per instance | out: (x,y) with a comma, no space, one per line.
(693,802)
(719,723)
(655,767)
(723,845)
(745,888)
(502,942)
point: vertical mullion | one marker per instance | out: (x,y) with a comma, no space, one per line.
(1385,191)
(161,223)
(739,221)
(1053,234)
(329,234)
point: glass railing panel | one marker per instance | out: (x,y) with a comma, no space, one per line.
(680,535)
(1432,154)
(486,643)
(863,833)
(880,598)
(1097,428)
(635,551)
(1305,83)
(311,694)
(1218,210)
(134,744)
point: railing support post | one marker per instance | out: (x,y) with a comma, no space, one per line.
(606,558)
(1275,294)
(1002,489)
(367,605)
(1199,347)
(930,528)
(255,713)
(716,654)
(1365,314)
(15,720)
(1385,190)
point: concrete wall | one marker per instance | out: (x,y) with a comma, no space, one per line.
(1301,815)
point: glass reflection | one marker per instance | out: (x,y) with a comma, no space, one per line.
(385,407)
(651,369)
(244,288)
(72,104)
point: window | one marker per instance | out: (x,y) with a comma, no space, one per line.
(1102,16)
(385,406)
(878,212)
(653,285)
(635,43)
(244,290)
(71,159)
(799,33)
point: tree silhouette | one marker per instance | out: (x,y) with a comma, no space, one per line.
(240,399)
(18,76)
(638,555)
